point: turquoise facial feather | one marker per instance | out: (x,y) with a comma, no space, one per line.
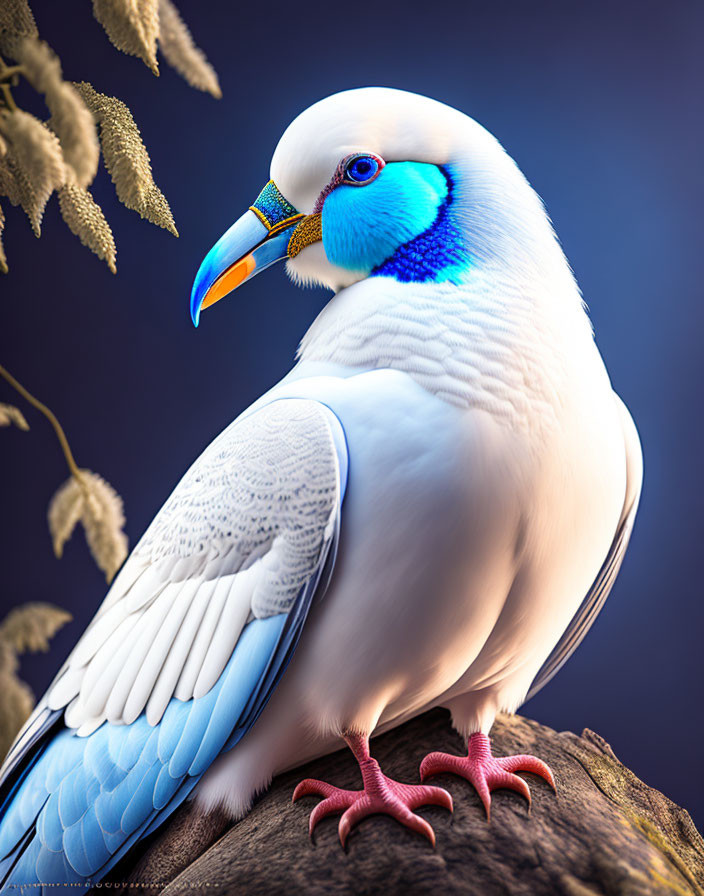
(399,226)
(363,226)
(438,254)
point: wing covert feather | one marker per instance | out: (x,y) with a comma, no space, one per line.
(239,537)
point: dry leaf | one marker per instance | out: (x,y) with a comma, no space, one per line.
(30,626)
(176,43)
(158,211)
(10,414)
(86,219)
(41,66)
(97,505)
(9,186)
(15,184)
(64,512)
(103,519)
(16,18)
(8,659)
(35,162)
(127,159)
(71,119)
(132,26)
(3,258)
(74,126)
(16,704)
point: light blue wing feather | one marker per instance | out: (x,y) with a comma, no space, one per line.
(77,804)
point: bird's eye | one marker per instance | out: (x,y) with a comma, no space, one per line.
(362,169)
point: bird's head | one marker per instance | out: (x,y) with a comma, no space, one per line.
(377,182)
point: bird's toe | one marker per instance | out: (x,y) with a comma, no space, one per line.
(527,763)
(380,796)
(486,772)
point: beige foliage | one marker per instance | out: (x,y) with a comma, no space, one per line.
(16,18)
(65,509)
(103,520)
(28,627)
(96,504)
(41,65)
(127,159)
(85,218)
(132,26)
(17,187)
(34,162)
(10,414)
(16,702)
(39,158)
(74,126)
(176,43)
(71,119)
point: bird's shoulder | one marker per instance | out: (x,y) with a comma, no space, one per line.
(247,527)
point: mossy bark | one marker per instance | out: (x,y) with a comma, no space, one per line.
(605,832)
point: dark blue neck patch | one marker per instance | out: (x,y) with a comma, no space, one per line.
(437,254)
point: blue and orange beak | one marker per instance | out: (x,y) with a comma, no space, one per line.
(271,230)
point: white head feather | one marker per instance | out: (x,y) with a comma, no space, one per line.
(502,216)
(480,342)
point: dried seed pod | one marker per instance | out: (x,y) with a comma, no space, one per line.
(64,512)
(16,18)
(97,505)
(10,414)
(71,119)
(17,699)
(132,26)
(9,186)
(85,218)
(33,165)
(16,185)
(103,519)
(176,43)
(74,126)
(30,626)
(127,159)
(41,65)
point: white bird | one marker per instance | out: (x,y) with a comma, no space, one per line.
(429,510)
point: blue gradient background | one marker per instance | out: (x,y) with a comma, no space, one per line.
(599,103)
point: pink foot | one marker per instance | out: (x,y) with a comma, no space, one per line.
(487,772)
(380,795)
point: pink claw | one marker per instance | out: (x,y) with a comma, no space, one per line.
(487,772)
(380,795)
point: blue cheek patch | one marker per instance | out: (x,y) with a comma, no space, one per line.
(438,253)
(397,226)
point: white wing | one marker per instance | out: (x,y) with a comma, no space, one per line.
(245,529)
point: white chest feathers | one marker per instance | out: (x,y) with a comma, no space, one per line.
(486,344)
